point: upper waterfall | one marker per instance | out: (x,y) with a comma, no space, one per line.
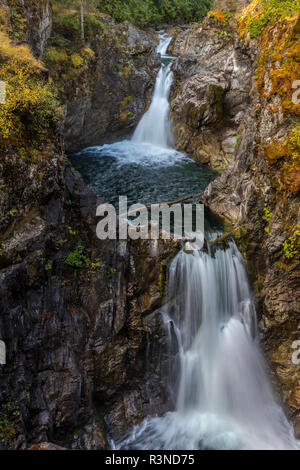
(154,127)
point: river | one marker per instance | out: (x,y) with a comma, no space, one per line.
(224,397)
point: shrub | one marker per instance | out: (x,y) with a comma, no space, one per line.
(77,258)
(31,106)
(257,25)
(220,16)
(76,60)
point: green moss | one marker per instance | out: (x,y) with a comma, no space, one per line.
(267,214)
(257,25)
(77,258)
(291,246)
(283,266)
(267,218)
(260,14)
(20,24)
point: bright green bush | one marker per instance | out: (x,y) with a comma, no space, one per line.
(272,8)
(77,258)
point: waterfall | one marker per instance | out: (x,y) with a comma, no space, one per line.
(154,127)
(224,398)
(152,140)
(218,380)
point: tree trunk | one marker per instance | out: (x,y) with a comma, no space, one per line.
(82,20)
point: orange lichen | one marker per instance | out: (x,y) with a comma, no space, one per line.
(218,15)
(290,177)
(287,154)
(221,17)
(277,34)
(275,151)
(31,108)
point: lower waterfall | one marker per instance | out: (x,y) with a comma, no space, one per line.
(224,398)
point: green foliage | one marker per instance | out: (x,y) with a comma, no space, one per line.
(282,7)
(294,144)
(140,12)
(272,8)
(13,212)
(32,108)
(77,258)
(72,232)
(267,217)
(19,22)
(257,25)
(220,16)
(291,246)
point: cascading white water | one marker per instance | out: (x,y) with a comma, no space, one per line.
(152,139)
(218,379)
(224,396)
(154,127)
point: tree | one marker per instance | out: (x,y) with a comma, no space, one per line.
(82,19)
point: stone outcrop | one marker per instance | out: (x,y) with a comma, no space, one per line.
(31,22)
(74,312)
(211,91)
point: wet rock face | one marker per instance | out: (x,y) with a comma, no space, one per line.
(211,92)
(37,29)
(130,371)
(72,311)
(115,92)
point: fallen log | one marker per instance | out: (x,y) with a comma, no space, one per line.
(220,239)
(169,203)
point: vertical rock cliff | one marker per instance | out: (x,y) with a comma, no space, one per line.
(31,22)
(73,310)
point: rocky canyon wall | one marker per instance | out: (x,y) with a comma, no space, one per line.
(75,312)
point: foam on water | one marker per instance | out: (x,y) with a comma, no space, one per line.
(145,154)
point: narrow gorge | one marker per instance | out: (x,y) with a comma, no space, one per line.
(144,344)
